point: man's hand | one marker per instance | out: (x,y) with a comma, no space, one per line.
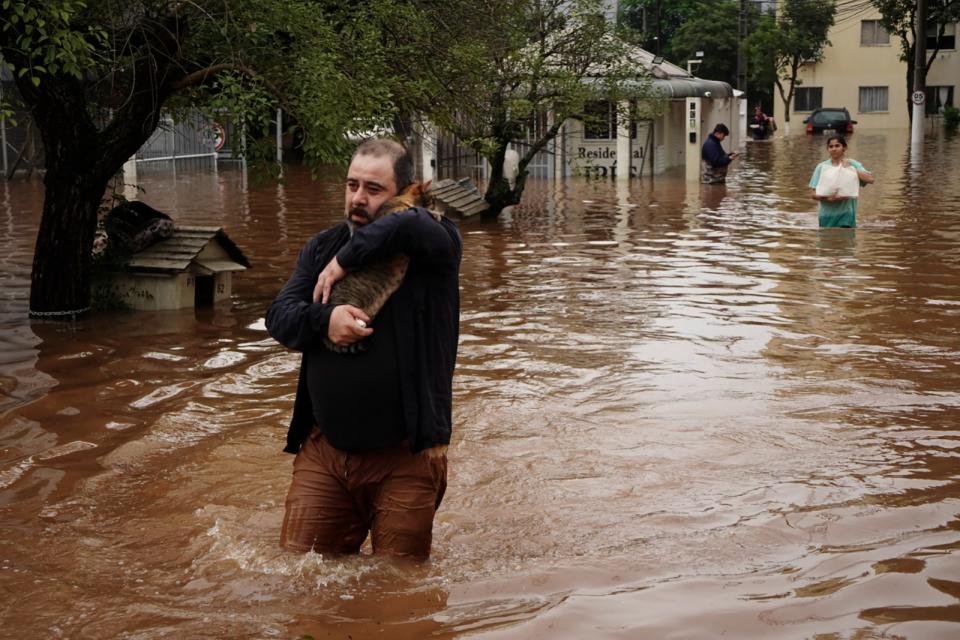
(734,155)
(325,281)
(344,328)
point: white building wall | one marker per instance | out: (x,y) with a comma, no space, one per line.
(670,139)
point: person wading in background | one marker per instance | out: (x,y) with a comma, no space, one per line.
(714,159)
(370,429)
(761,125)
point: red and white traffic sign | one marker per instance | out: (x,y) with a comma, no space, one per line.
(219,136)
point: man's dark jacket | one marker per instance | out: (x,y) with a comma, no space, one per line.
(427,315)
(713,153)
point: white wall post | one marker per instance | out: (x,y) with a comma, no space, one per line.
(428,150)
(623,141)
(560,154)
(694,140)
(280,137)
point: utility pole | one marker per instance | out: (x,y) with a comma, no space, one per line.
(741,54)
(919,66)
(659,26)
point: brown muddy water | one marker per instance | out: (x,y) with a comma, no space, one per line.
(680,412)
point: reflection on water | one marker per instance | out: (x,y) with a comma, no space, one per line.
(680,410)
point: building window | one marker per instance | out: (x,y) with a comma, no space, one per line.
(808,98)
(599,121)
(938,98)
(943,42)
(873,34)
(873,99)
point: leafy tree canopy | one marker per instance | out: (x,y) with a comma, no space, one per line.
(96,76)
(713,29)
(796,35)
(504,63)
(899,17)
(708,26)
(656,21)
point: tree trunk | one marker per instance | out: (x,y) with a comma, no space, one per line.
(785,99)
(499,194)
(80,159)
(82,156)
(911,65)
(80,162)
(60,281)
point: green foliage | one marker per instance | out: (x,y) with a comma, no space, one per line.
(655,31)
(47,40)
(951,118)
(899,17)
(713,29)
(107,296)
(498,66)
(708,26)
(781,45)
(49,37)
(96,77)
(322,62)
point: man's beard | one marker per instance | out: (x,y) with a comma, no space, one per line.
(360,213)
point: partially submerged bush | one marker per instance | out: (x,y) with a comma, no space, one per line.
(951,118)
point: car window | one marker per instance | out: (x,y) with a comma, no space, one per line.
(827,117)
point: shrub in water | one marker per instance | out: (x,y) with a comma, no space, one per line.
(951,117)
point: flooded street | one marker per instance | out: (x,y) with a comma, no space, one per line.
(679,412)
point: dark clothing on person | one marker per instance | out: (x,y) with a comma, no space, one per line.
(713,152)
(762,126)
(715,160)
(400,387)
(341,404)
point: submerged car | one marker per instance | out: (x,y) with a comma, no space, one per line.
(829,120)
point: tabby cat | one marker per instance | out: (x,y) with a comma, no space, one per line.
(369,287)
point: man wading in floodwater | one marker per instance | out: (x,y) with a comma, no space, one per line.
(714,160)
(370,429)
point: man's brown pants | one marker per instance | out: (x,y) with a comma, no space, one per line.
(336,497)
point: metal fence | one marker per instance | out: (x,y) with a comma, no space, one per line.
(20,144)
(456,161)
(541,166)
(194,137)
(453,160)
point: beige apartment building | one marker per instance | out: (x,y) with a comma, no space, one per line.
(862,71)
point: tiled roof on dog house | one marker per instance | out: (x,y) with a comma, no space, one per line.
(188,248)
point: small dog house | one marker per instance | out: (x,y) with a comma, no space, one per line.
(192,268)
(460,196)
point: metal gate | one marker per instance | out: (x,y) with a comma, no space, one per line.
(542,164)
(194,137)
(456,161)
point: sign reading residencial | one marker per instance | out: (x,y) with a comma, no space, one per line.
(918,97)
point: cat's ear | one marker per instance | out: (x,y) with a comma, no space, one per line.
(426,186)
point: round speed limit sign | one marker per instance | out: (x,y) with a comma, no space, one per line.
(219,135)
(918,97)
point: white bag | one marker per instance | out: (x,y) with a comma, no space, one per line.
(840,181)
